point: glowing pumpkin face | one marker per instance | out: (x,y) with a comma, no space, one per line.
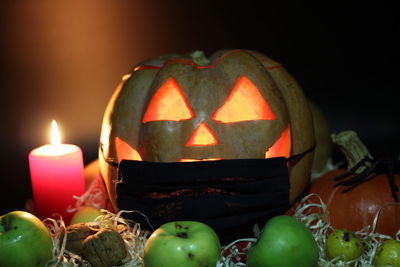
(235,106)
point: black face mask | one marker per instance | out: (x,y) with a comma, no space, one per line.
(228,195)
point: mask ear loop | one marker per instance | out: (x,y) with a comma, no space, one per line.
(293,160)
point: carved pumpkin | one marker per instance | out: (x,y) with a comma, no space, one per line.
(236,105)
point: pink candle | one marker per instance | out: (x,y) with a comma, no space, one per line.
(56,175)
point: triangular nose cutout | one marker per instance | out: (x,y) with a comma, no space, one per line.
(202,136)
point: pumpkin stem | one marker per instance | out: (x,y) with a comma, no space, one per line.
(200,58)
(353,148)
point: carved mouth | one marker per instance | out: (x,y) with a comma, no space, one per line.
(281,148)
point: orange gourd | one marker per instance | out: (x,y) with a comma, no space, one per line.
(356,209)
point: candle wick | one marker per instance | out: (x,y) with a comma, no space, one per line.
(55,134)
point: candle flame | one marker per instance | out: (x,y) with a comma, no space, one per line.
(55,134)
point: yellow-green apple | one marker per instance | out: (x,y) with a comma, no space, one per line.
(284,241)
(388,254)
(182,243)
(343,243)
(86,214)
(24,240)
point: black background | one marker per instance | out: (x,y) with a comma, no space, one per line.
(345,57)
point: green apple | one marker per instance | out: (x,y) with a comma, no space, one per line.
(388,254)
(86,214)
(182,243)
(344,243)
(24,240)
(284,241)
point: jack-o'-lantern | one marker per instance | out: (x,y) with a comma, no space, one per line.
(238,104)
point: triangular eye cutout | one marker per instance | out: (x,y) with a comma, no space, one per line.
(202,136)
(244,103)
(168,104)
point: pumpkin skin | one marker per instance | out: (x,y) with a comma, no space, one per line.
(356,209)
(128,132)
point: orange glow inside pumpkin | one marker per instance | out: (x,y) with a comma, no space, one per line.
(282,147)
(168,104)
(202,136)
(244,103)
(125,151)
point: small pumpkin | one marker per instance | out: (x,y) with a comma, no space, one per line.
(237,104)
(356,209)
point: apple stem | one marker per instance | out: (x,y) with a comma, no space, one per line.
(182,235)
(4,225)
(346,236)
